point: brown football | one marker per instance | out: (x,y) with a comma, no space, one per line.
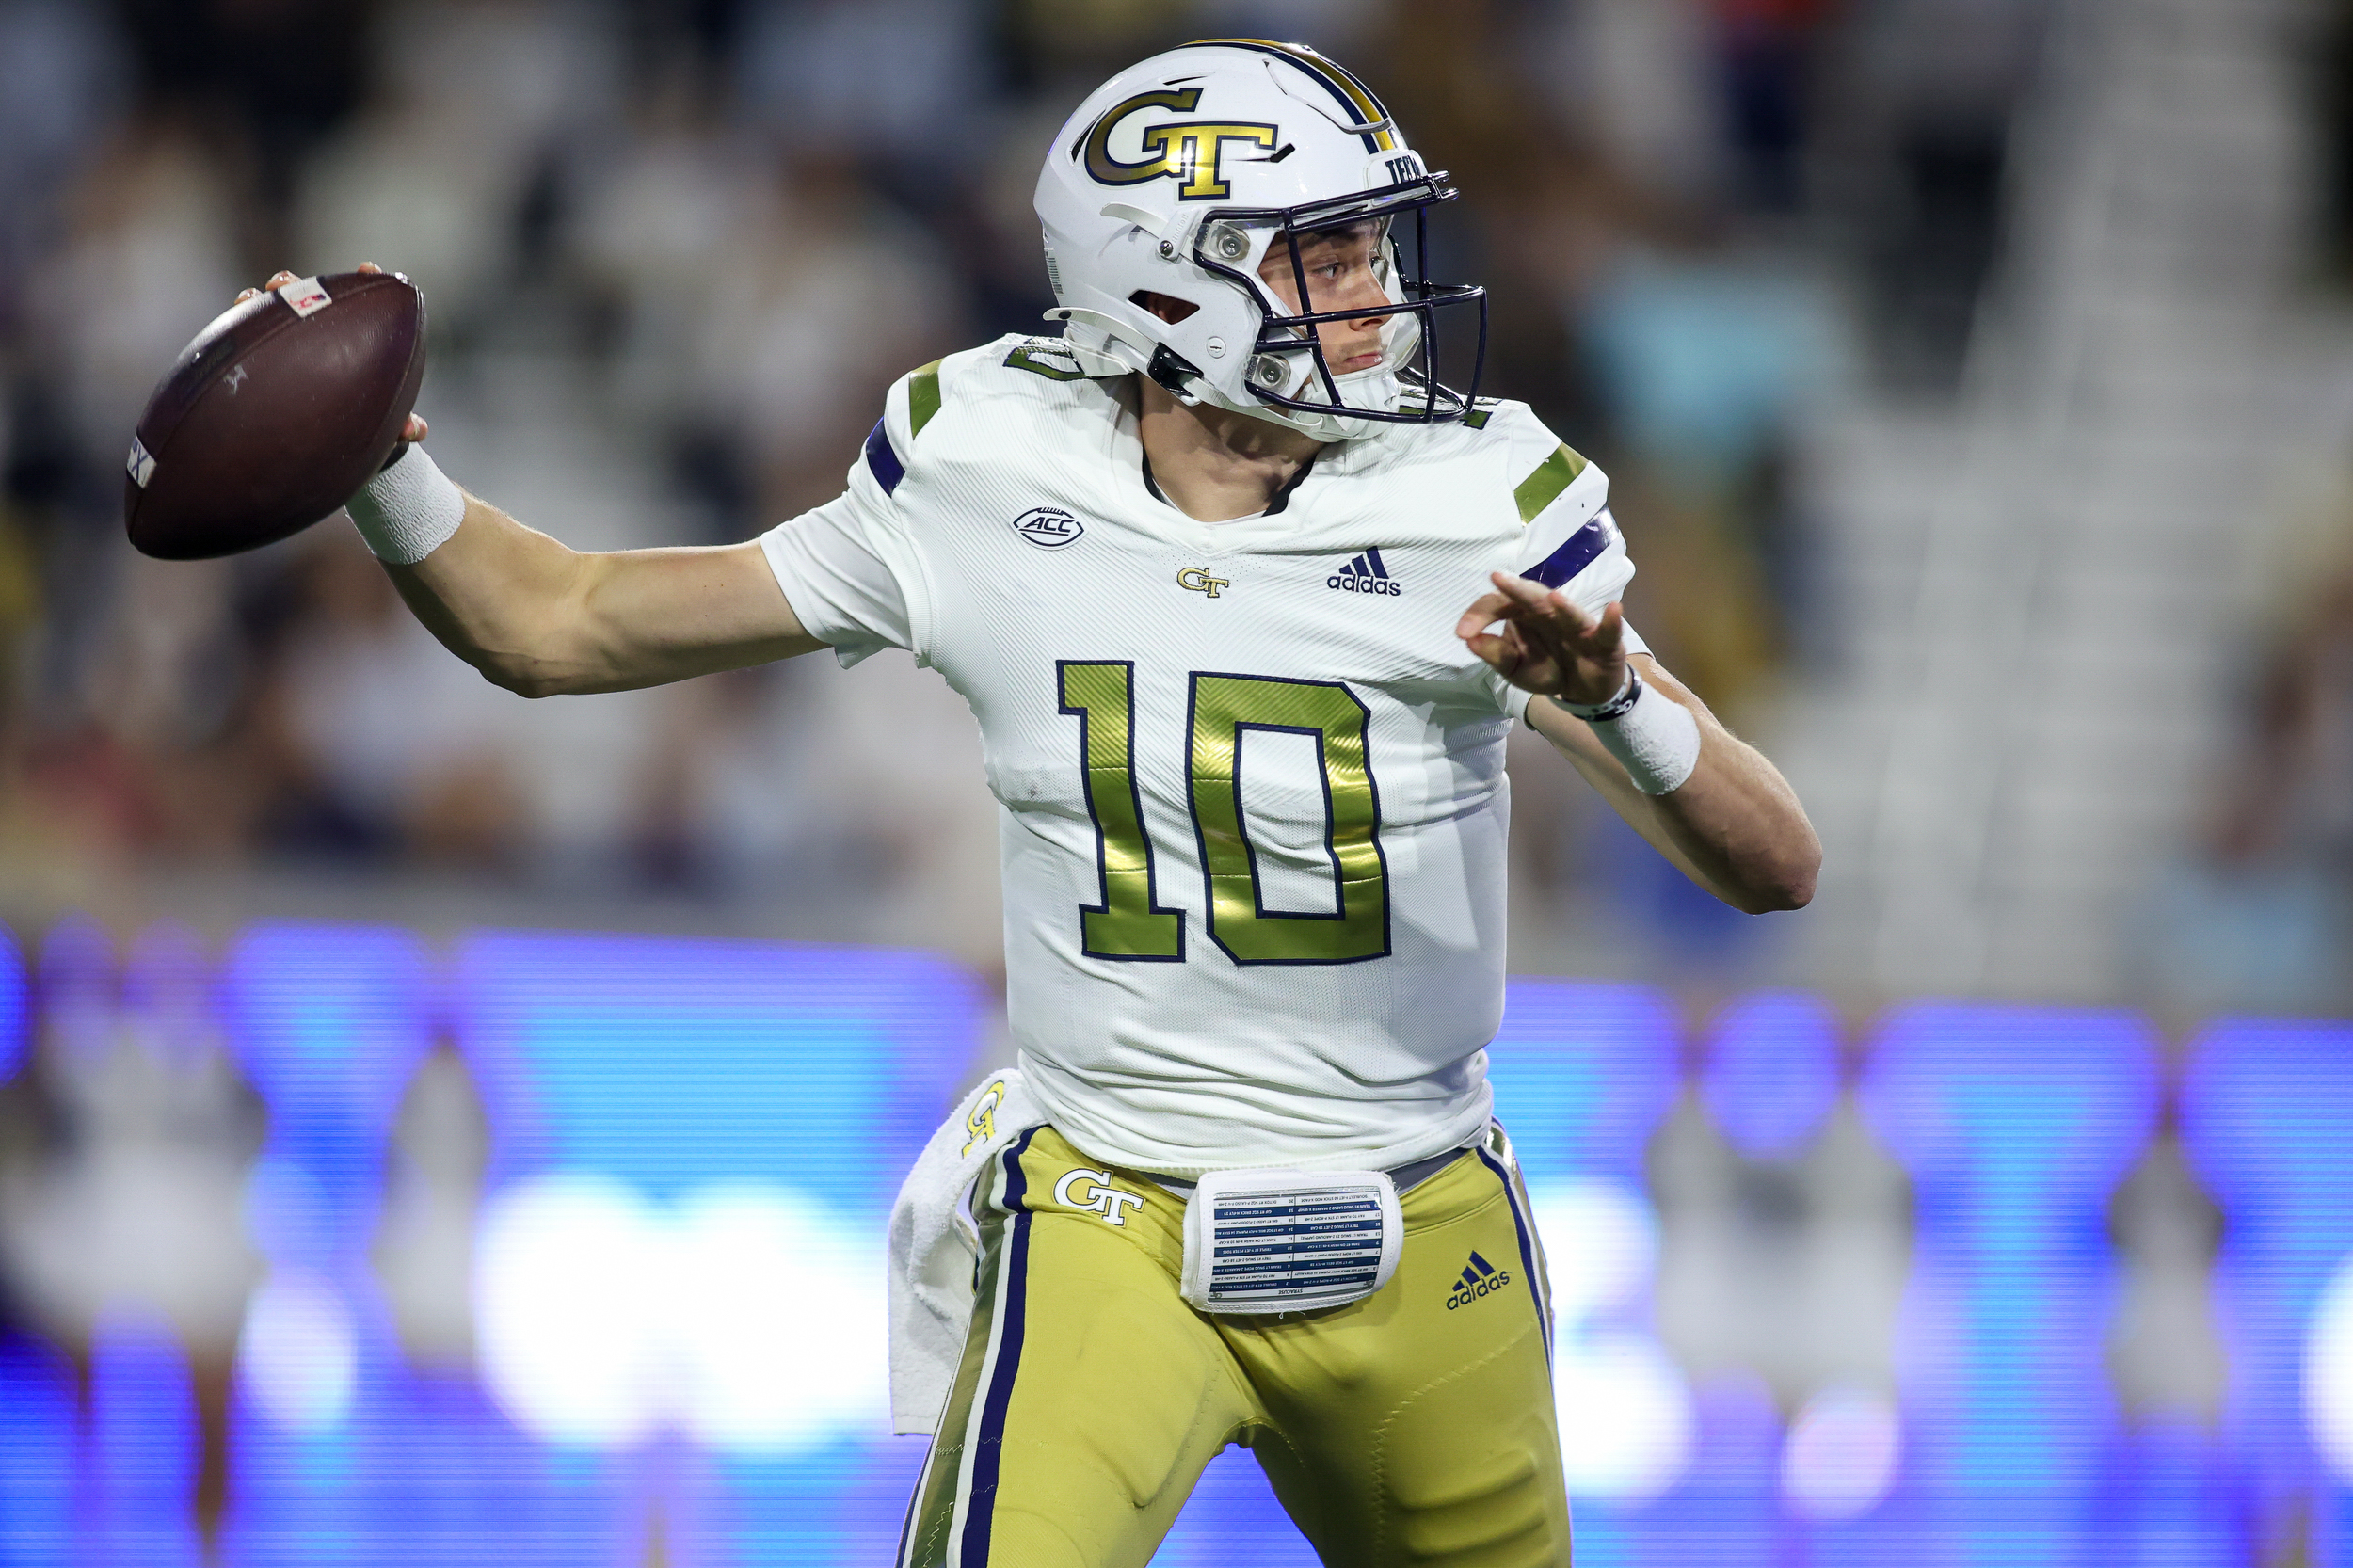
(277,412)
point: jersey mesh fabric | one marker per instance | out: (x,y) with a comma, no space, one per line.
(1296,858)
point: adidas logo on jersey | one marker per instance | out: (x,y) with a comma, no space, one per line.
(1479,1278)
(1364,575)
(1047,527)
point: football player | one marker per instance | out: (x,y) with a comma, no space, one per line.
(1245,601)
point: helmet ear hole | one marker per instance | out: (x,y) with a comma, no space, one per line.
(1166,305)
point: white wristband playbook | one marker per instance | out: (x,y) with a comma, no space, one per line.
(408,510)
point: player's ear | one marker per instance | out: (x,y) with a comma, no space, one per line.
(1167,307)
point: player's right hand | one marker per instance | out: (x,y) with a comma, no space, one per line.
(413,431)
(1546,644)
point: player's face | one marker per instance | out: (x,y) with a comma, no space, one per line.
(1345,270)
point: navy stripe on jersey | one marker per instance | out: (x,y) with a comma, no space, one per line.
(1577,553)
(889,471)
(990,1446)
(1528,1248)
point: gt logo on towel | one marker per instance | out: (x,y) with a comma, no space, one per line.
(982,1124)
(1099,1198)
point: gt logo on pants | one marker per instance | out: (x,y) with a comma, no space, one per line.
(1099,1198)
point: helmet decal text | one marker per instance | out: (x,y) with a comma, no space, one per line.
(1186,152)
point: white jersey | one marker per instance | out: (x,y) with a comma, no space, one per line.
(1254,805)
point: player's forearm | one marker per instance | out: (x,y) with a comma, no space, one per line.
(1737,820)
(541,620)
(503,597)
(1735,826)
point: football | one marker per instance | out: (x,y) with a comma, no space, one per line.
(275,415)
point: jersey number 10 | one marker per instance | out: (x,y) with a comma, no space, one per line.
(1130,924)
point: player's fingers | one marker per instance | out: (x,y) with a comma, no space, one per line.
(415,430)
(244,295)
(1517,589)
(1536,602)
(280,278)
(367,266)
(1484,611)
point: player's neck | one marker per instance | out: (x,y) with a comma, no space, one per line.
(1212,463)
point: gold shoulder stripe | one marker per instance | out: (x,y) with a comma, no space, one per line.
(1027,358)
(1541,488)
(922,397)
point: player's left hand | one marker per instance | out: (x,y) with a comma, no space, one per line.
(1543,644)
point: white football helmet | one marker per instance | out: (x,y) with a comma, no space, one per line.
(1177,177)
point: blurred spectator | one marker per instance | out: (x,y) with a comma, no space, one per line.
(2264,918)
(2165,1354)
(373,738)
(1712,359)
(730,803)
(825,301)
(806,75)
(150,254)
(424,1241)
(2332,82)
(273,74)
(61,79)
(1935,86)
(475,100)
(128,1215)
(1790,1266)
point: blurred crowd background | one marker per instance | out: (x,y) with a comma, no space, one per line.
(1977,381)
(1972,374)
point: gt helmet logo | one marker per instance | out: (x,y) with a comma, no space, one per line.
(1188,153)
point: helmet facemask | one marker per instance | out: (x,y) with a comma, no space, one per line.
(1290,371)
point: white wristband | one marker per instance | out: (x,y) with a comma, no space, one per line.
(408,510)
(1655,737)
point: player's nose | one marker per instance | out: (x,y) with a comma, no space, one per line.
(1364,291)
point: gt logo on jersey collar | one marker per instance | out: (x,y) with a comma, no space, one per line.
(1187,151)
(1197,580)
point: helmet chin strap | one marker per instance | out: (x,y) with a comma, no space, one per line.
(1377,388)
(1380,381)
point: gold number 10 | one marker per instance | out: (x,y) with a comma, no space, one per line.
(1131,923)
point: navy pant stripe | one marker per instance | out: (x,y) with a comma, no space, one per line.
(989,1447)
(1528,1249)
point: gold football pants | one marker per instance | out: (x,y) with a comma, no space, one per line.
(1414,1426)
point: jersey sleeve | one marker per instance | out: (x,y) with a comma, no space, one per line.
(849,569)
(1570,540)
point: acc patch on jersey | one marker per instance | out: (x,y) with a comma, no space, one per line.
(1049,527)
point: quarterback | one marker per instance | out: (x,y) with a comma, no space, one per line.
(1246,602)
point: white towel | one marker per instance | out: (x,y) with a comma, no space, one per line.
(935,1244)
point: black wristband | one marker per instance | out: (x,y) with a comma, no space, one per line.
(1616,707)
